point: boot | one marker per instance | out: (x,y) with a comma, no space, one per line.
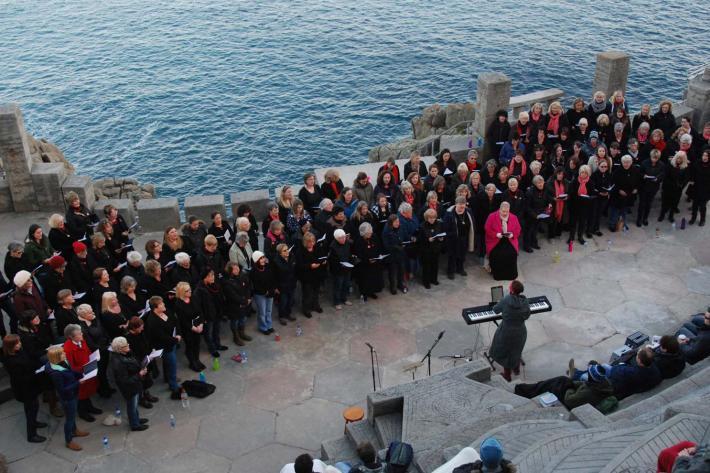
(74,446)
(237,340)
(80,433)
(506,374)
(51,399)
(692,219)
(243,335)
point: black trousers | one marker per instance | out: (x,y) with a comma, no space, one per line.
(430,267)
(309,296)
(700,205)
(599,208)
(31,407)
(395,272)
(645,200)
(530,235)
(192,347)
(578,219)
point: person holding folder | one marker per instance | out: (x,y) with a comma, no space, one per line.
(78,356)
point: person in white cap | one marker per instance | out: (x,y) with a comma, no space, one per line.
(341,267)
(263,279)
(28,297)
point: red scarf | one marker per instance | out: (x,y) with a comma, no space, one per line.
(559,203)
(641,138)
(472,166)
(535,116)
(553,123)
(582,185)
(409,198)
(659,145)
(334,186)
(523,168)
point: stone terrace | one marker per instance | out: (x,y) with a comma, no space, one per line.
(289,397)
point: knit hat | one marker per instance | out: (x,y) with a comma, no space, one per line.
(78,247)
(594,134)
(21,278)
(597,373)
(56,262)
(256,256)
(339,233)
(491,453)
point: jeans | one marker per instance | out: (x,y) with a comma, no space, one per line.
(132,411)
(211,332)
(341,288)
(614,214)
(286,296)
(31,407)
(264,305)
(69,419)
(170,368)
(240,320)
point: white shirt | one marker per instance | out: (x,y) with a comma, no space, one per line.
(318,467)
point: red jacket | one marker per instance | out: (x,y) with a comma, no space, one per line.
(77,358)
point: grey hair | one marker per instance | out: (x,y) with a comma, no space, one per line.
(537,179)
(15,246)
(118,343)
(431,195)
(242,237)
(406,185)
(414,154)
(70,330)
(134,257)
(364,229)
(535,165)
(618,126)
(504,204)
(490,185)
(324,203)
(627,159)
(55,221)
(473,152)
(686,138)
(83,309)
(241,221)
(645,126)
(126,282)
(182,257)
(460,200)
(404,207)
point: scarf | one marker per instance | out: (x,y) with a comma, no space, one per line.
(553,124)
(409,198)
(641,138)
(668,456)
(523,168)
(334,186)
(57,367)
(535,116)
(597,106)
(582,185)
(659,145)
(504,223)
(472,166)
(559,204)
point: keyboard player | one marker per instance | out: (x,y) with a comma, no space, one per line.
(509,338)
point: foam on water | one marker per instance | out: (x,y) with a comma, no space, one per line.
(199,97)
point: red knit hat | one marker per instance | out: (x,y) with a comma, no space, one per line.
(56,262)
(78,247)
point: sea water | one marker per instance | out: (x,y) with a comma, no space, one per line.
(220,96)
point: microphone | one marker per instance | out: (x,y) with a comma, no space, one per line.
(441,334)
(371,347)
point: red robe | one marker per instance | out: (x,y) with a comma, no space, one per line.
(495,226)
(77,358)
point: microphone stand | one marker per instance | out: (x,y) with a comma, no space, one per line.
(428,354)
(372,364)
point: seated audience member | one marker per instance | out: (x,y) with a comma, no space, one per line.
(492,460)
(694,338)
(369,463)
(305,464)
(668,358)
(628,379)
(669,456)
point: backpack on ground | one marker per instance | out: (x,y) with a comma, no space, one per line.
(198,389)
(399,457)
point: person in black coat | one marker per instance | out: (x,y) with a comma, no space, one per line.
(538,204)
(598,106)
(700,176)
(163,334)
(581,195)
(368,271)
(668,358)
(78,220)
(458,225)
(310,268)
(285,267)
(264,284)
(431,239)
(393,246)
(56,279)
(509,339)
(677,175)
(209,303)
(515,196)
(310,194)
(59,236)
(237,296)
(487,202)
(79,269)
(209,256)
(497,134)
(24,383)
(415,164)
(664,119)
(224,234)
(626,179)
(341,265)
(183,271)
(140,348)
(191,324)
(652,173)
(65,313)
(128,373)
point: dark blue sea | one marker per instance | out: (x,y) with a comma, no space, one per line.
(219,96)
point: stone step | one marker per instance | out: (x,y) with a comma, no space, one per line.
(362,431)
(497,381)
(536,457)
(389,428)
(642,455)
(593,454)
(337,449)
(518,436)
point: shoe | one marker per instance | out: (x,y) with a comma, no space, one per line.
(528,250)
(199,365)
(588,234)
(139,428)
(598,233)
(671,219)
(450,275)
(307,314)
(143,420)
(638,223)
(319,309)
(215,354)
(394,291)
(87,417)
(194,367)
(348,303)
(692,220)
(571,368)
(95,410)
(222,348)
(271,330)
(291,318)
(282,321)
(80,433)
(74,446)
(536,246)
(243,335)
(264,332)
(56,411)
(41,425)
(338,307)
(145,404)
(463,273)
(150,397)
(582,241)
(645,223)
(702,223)
(374,296)
(36,439)
(427,286)
(436,283)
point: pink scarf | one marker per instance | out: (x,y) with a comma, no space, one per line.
(582,190)
(553,123)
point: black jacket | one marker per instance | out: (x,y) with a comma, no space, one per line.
(160,332)
(304,260)
(208,301)
(189,315)
(126,374)
(627,180)
(285,272)
(21,369)
(263,280)
(62,241)
(80,273)
(78,222)
(237,291)
(669,364)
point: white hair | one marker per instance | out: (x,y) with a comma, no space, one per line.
(118,343)
(134,257)
(182,257)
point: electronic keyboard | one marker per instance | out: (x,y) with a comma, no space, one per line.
(485,313)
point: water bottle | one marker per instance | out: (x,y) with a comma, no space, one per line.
(682,223)
(105,442)
(117,412)
(299,330)
(608,245)
(203,379)
(556,257)
(172,421)
(244,356)
(658,232)
(570,246)
(673,226)
(184,399)
(215,364)
(479,142)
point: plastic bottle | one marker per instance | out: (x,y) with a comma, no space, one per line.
(244,356)
(682,223)
(203,378)
(571,246)
(105,442)
(172,421)
(184,399)
(117,412)
(608,245)
(299,330)
(556,257)
(479,142)
(673,226)
(215,364)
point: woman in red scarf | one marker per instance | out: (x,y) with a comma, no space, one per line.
(537,119)
(502,232)
(581,192)
(77,352)
(555,121)
(556,189)
(669,455)
(658,142)
(518,167)
(333,186)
